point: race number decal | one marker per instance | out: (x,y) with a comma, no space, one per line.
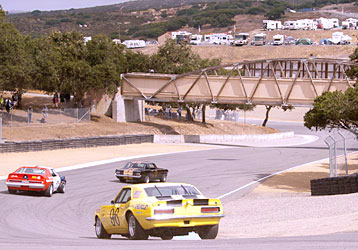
(113,215)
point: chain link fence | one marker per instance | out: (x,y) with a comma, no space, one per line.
(339,145)
(19,117)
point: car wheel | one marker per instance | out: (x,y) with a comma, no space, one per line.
(136,232)
(61,188)
(12,191)
(49,191)
(100,231)
(146,179)
(121,179)
(166,236)
(209,232)
(163,178)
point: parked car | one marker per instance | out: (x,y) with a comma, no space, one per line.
(141,172)
(304,41)
(290,40)
(37,179)
(161,210)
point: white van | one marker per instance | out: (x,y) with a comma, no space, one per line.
(278,39)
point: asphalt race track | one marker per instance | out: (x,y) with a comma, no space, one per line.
(65,221)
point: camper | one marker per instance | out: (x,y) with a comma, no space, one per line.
(278,39)
(350,23)
(324,23)
(133,44)
(272,25)
(241,39)
(259,39)
(221,39)
(196,39)
(338,38)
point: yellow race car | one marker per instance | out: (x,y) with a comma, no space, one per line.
(161,210)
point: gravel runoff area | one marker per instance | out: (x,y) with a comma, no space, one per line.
(279,206)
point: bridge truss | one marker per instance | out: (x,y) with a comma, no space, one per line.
(284,81)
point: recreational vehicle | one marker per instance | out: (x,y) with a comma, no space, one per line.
(260,39)
(196,39)
(241,39)
(272,25)
(278,39)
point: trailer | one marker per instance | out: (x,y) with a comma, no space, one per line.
(272,25)
(196,39)
(133,44)
(278,39)
(338,38)
(259,39)
(241,39)
(221,39)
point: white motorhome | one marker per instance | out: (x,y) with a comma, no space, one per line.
(338,38)
(133,44)
(350,23)
(241,39)
(324,23)
(221,39)
(278,39)
(259,39)
(196,39)
(272,25)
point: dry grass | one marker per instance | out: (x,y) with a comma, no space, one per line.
(105,126)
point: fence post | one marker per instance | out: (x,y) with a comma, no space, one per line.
(331,174)
(345,151)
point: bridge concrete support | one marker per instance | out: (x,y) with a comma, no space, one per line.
(124,110)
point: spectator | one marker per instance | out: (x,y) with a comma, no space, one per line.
(179,112)
(1,102)
(67,97)
(55,99)
(7,105)
(62,99)
(29,114)
(44,113)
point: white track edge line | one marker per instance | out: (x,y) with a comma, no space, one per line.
(266,177)
(124,158)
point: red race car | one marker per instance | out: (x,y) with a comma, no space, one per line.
(39,179)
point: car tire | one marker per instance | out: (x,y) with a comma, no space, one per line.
(49,191)
(12,191)
(62,188)
(121,179)
(146,179)
(208,232)
(135,230)
(163,178)
(100,231)
(166,236)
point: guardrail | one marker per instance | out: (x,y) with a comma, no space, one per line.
(27,146)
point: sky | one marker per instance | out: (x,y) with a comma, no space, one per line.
(30,5)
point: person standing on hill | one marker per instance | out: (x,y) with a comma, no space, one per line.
(29,114)
(55,99)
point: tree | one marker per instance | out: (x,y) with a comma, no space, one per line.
(173,58)
(268,109)
(275,13)
(334,110)
(15,62)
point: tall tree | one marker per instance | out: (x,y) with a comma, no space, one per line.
(334,110)
(15,63)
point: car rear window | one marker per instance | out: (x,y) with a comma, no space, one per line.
(31,171)
(171,190)
(134,165)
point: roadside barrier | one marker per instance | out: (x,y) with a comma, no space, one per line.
(86,142)
(335,185)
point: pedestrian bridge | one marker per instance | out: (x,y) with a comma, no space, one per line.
(284,81)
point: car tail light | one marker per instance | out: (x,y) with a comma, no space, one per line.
(137,174)
(164,211)
(210,209)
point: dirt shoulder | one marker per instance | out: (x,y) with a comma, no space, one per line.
(283,206)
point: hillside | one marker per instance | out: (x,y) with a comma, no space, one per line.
(148,19)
